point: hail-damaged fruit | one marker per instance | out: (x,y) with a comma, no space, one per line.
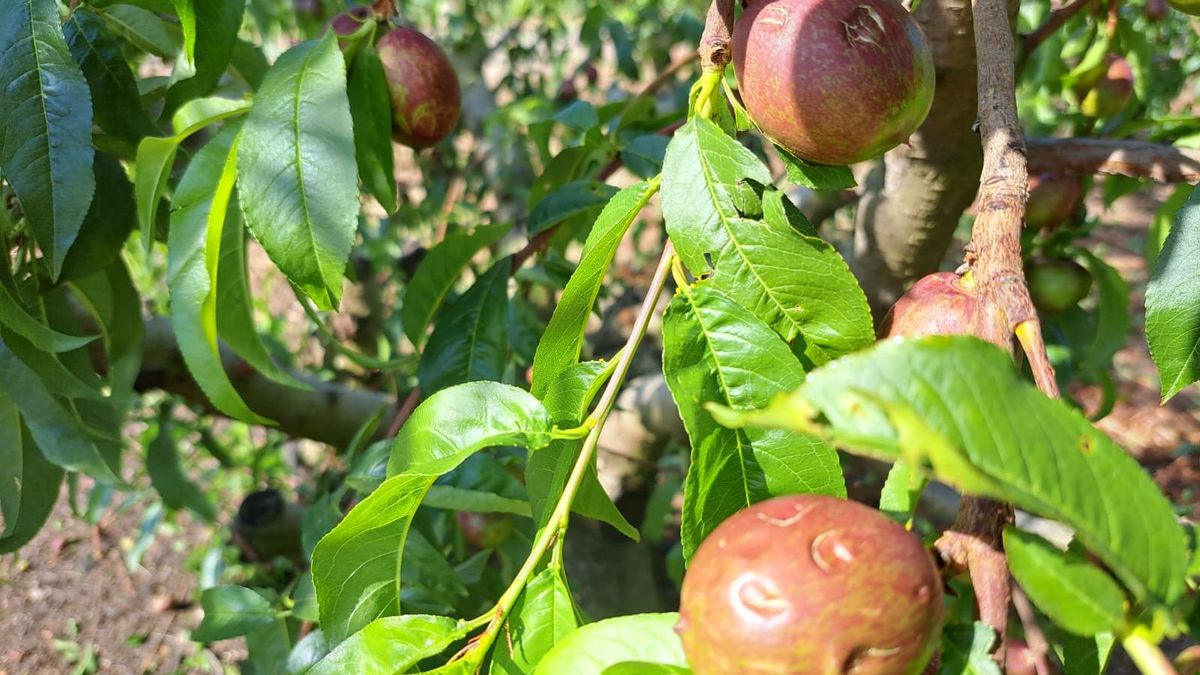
(1109,88)
(833,81)
(938,304)
(1052,199)
(810,584)
(426,99)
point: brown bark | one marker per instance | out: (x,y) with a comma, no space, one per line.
(905,226)
(1136,159)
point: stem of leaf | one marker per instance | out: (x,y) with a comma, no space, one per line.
(357,357)
(1149,659)
(556,525)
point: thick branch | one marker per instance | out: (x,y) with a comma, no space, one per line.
(1136,159)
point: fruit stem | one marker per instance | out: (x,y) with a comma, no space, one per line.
(555,526)
(1146,655)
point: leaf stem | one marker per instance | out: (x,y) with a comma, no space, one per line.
(1149,659)
(556,525)
(357,357)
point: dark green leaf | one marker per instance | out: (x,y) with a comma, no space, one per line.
(216,29)
(470,338)
(230,611)
(166,472)
(296,172)
(966,650)
(45,126)
(816,176)
(58,378)
(1085,655)
(1173,303)
(542,617)
(649,638)
(644,155)
(716,350)
(371,108)
(115,98)
(937,399)
(11,452)
(144,29)
(570,200)
(307,651)
(40,485)
(1074,593)
(199,213)
(393,644)
(108,222)
(1113,317)
(16,318)
(268,647)
(560,344)
(436,274)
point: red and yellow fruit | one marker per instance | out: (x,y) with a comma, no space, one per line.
(1109,88)
(833,81)
(426,98)
(810,584)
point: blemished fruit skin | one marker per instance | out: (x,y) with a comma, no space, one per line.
(484,530)
(833,81)
(1052,199)
(1111,91)
(809,584)
(938,304)
(351,20)
(1186,6)
(426,98)
(1057,284)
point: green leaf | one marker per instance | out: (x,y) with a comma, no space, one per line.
(966,650)
(54,374)
(166,472)
(543,615)
(477,501)
(45,126)
(716,350)
(547,470)
(644,155)
(356,567)
(108,222)
(901,492)
(816,176)
(216,29)
(1074,593)
(797,284)
(1085,655)
(58,431)
(199,213)
(231,611)
(152,170)
(393,644)
(470,338)
(144,29)
(1113,316)
(14,316)
(186,11)
(436,274)
(561,342)
(371,108)
(115,98)
(649,638)
(643,668)
(1173,303)
(296,172)
(11,453)
(40,484)
(573,199)
(201,112)
(959,403)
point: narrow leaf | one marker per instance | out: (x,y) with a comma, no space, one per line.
(296,172)
(11,454)
(371,109)
(144,29)
(115,97)
(216,29)
(41,483)
(108,222)
(1074,593)
(816,176)
(541,618)
(1173,303)
(45,125)
(152,170)
(166,472)
(470,339)
(573,199)
(15,317)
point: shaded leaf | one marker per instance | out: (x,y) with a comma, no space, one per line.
(115,98)
(16,318)
(470,338)
(230,611)
(1075,594)
(573,199)
(1173,303)
(40,485)
(966,650)
(166,472)
(216,29)
(144,29)
(108,222)
(371,108)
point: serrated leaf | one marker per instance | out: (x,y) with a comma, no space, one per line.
(573,199)
(966,410)
(14,316)
(108,222)
(45,126)
(543,615)
(166,472)
(199,214)
(436,274)
(115,99)
(41,483)
(966,650)
(797,284)
(231,611)
(470,338)
(561,342)
(57,377)
(393,644)
(296,172)
(356,567)
(649,638)
(546,471)
(371,109)
(216,29)
(1074,593)
(58,431)
(816,176)
(144,29)
(1173,303)
(717,350)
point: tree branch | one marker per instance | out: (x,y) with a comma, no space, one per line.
(1136,159)
(1055,21)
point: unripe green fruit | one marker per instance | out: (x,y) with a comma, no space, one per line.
(426,99)
(938,304)
(1057,284)
(1109,89)
(810,584)
(484,530)
(833,81)
(1052,199)
(1186,6)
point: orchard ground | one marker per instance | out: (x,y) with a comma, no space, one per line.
(69,603)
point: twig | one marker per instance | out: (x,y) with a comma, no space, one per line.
(1055,21)
(403,413)
(1034,637)
(1136,159)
